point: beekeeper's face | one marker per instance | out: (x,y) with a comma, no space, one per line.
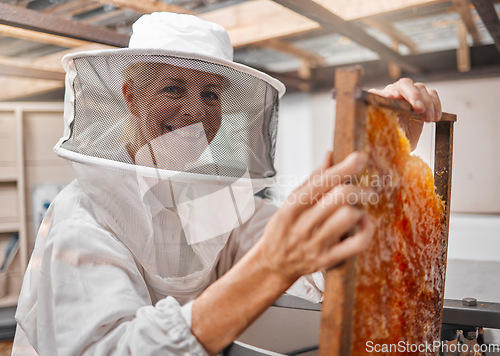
(179,103)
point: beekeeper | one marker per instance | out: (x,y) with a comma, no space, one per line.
(160,245)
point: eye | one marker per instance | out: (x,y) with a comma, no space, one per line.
(173,90)
(210,96)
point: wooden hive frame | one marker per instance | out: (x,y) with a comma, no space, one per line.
(352,102)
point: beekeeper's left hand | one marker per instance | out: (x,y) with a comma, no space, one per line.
(424,101)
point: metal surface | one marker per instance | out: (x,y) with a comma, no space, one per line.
(7,323)
(289,301)
(470,302)
(241,349)
(455,317)
(484,314)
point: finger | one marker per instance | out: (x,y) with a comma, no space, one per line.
(411,93)
(328,160)
(337,225)
(404,88)
(307,194)
(385,93)
(325,164)
(332,200)
(425,97)
(350,246)
(437,104)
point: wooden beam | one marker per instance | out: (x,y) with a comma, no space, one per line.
(463,9)
(338,304)
(463,54)
(305,70)
(393,68)
(104,16)
(287,47)
(392,32)
(147,6)
(353,10)
(488,14)
(70,8)
(51,62)
(259,20)
(41,37)
(11,70)
(152,6)
(332,22)
(14,88)
(34,20)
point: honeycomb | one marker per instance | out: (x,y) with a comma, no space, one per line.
(400,276)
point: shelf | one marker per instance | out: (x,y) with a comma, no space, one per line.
(9,300)
(9,227)
(8,179)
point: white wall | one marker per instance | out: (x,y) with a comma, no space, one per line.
(476,166)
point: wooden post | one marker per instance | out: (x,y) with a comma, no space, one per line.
(463,51)
(443,162)
(336,318)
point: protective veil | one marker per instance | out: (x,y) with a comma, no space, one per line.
(169,140)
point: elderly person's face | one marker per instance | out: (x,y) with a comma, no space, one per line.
(181,104)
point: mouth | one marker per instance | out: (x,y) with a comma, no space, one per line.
(192,132)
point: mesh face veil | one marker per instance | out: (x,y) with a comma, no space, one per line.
(205,113)
(170,148)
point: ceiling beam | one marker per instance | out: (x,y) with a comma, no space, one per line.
(246,23)
(333,23)
(35,36)
(392,32)
(394,69)
(259,20)
(34,20)
(17,87)
(416,12)
(105,16)
(12,70)
(308,60)
(440,66)
(463,9)
(353,10)
(147,6)
(287,47)
(51,62)
(463,52)
(488,14)
(13,88)
(70,8)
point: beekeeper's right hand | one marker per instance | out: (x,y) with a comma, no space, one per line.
(305,234)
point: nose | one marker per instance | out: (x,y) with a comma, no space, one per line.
(193,107)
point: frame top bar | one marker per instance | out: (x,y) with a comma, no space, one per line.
(395,104)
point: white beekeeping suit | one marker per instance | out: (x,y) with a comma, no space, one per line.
(169,140)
